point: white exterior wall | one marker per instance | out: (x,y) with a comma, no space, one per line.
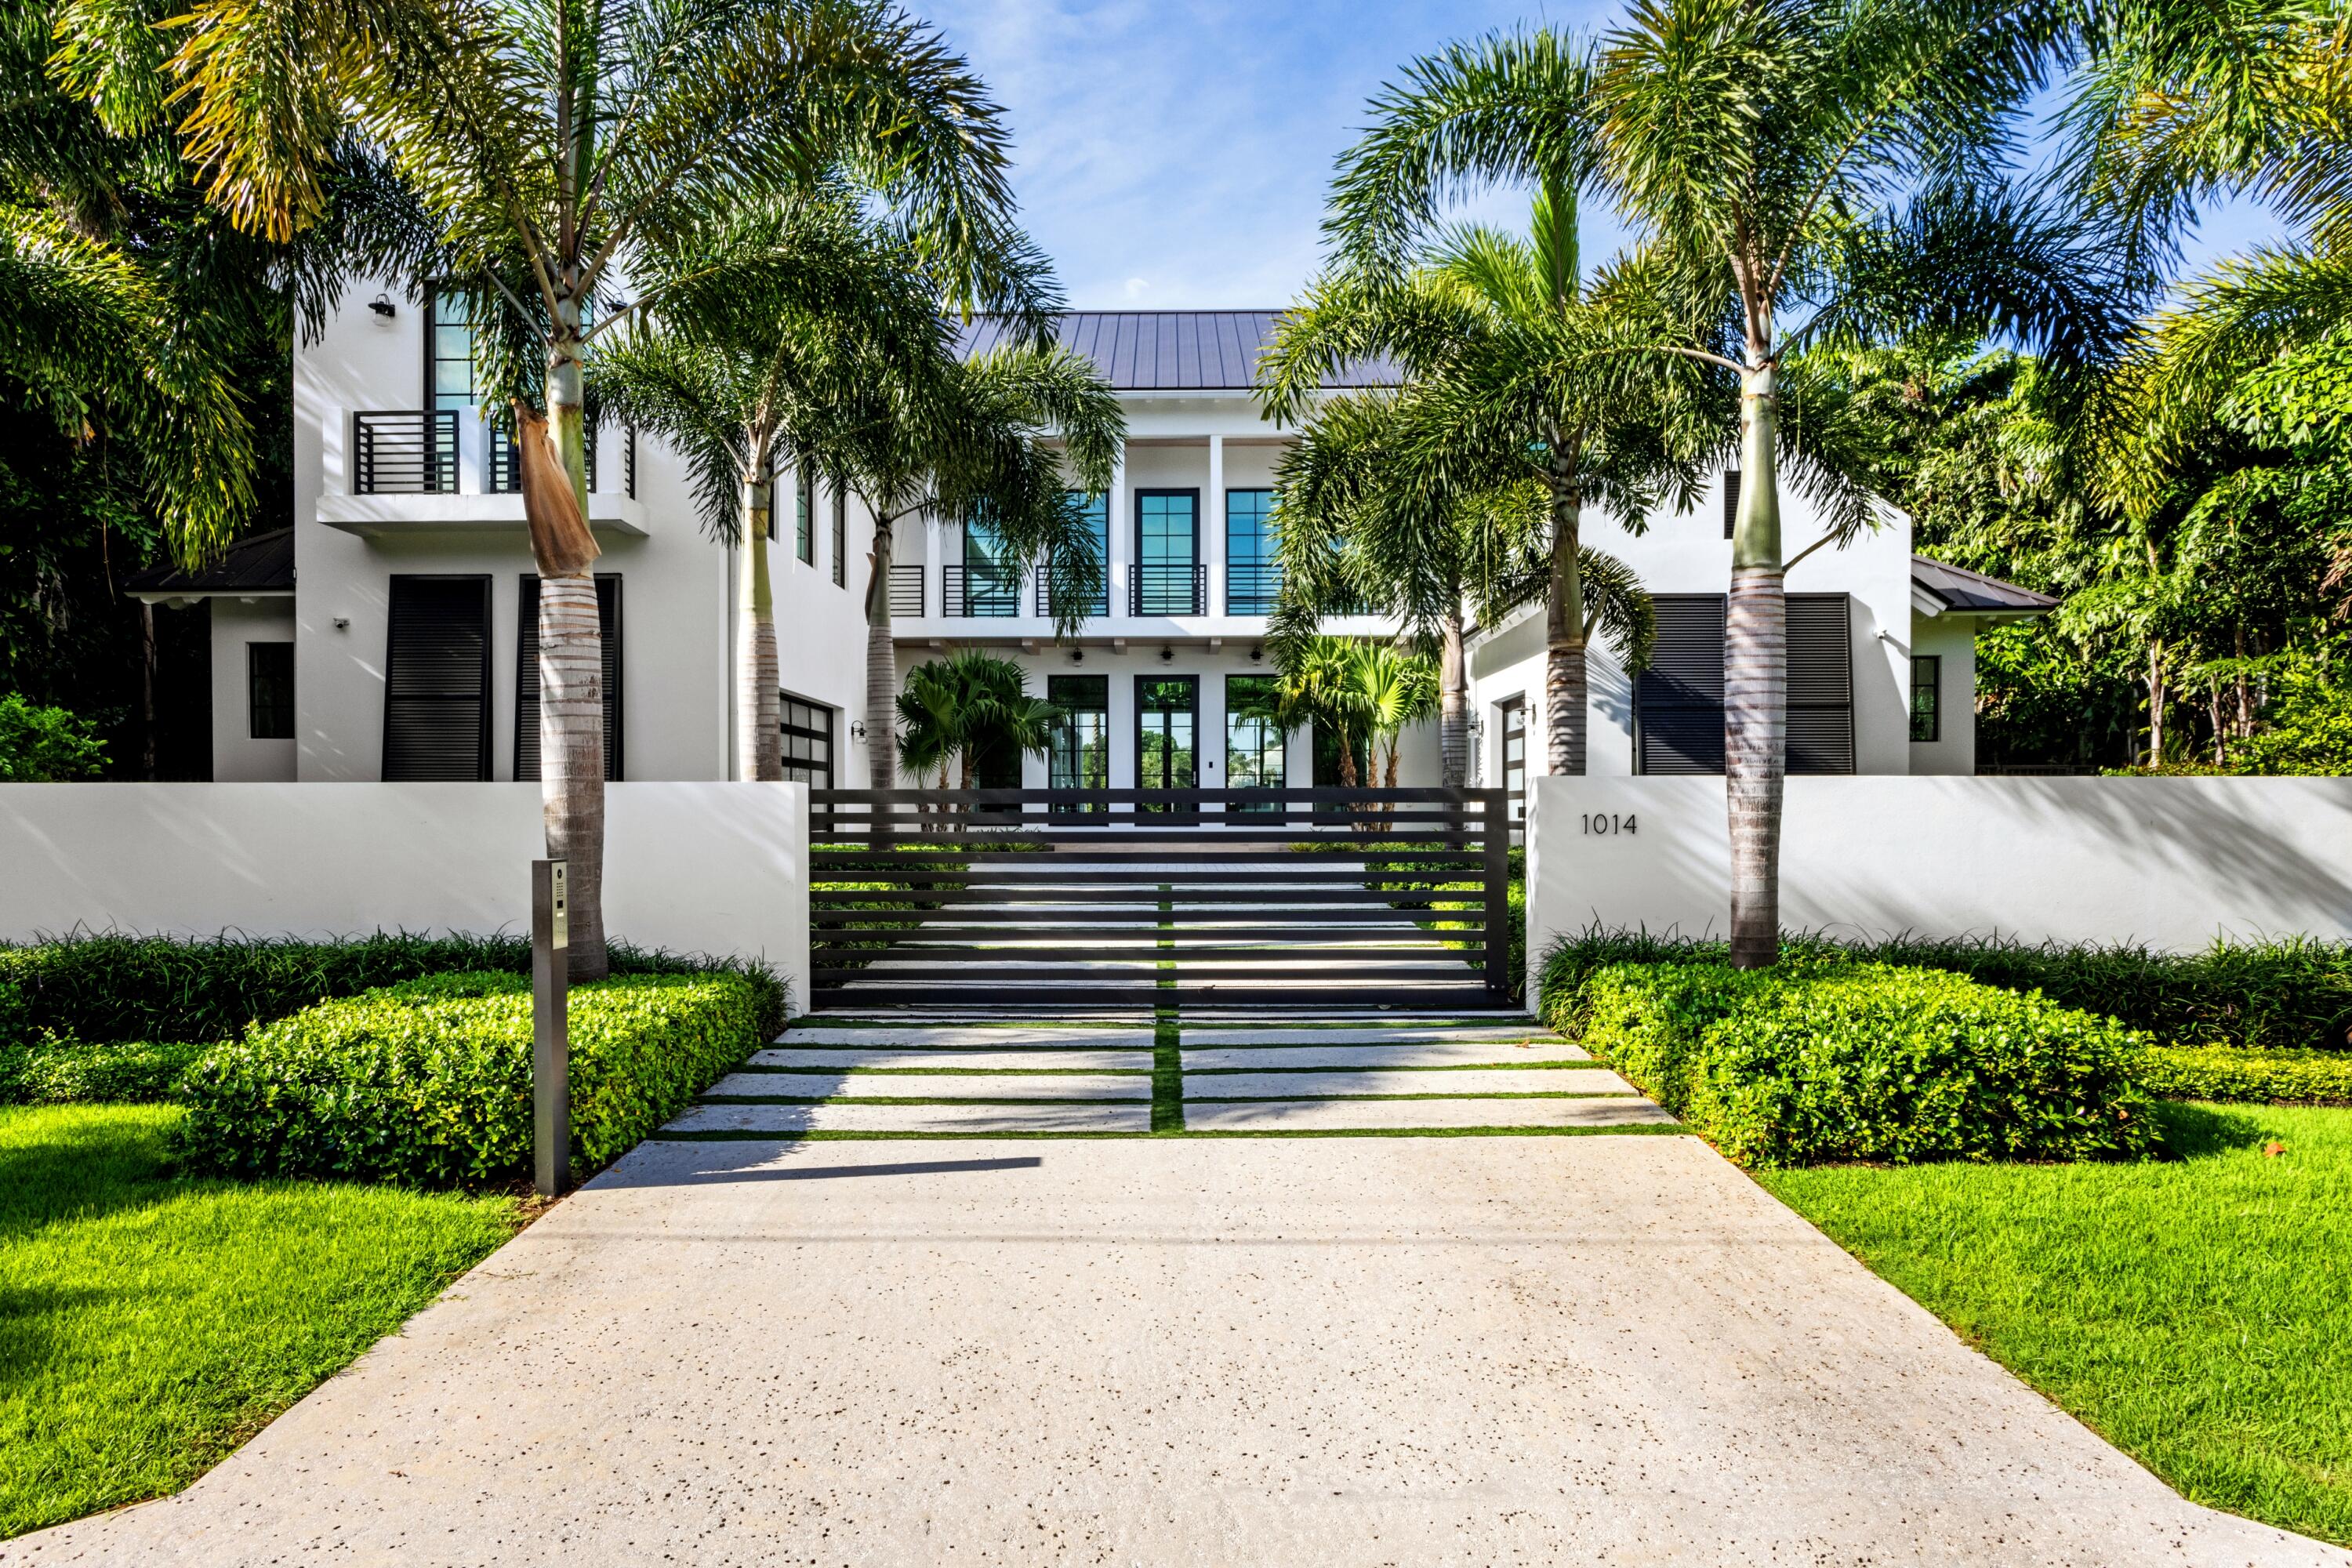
(2172,862)
(1686,553)
(1952,638)
(708,869)
(237,757)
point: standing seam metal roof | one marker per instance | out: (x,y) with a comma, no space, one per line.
(1159,351)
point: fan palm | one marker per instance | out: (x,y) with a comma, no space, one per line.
(550,141)
(763,322)
(966,706)
(1397,690)
(996,441)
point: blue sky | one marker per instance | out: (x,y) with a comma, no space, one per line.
(1175,155)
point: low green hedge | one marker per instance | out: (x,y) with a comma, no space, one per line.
(55,1071)
(1819,1061)
(428,1082)
(111,987)
(2294,993)
(2227,1072)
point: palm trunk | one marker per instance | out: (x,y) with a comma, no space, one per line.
(1452,703)
(881,668)
(2155,703)
(1348,778)
(759,678)
(571,670)
(1756,683)
(1566,681)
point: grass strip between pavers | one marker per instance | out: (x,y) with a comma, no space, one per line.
(956,1072)
(893,1099)
(1569,1065)
(1336,1098)
(1634,1129)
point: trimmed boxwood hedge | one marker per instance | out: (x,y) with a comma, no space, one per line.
(428,1082)
(1821,1060)
(2226,1072)
(54,1071)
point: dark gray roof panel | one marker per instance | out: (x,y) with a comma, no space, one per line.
(1966,593)
(1156,351)
(261,564)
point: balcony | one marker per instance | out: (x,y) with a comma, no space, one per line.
(1252,589)
(1094,608)
(1156,589)
(968,592)
(404,452)
(393,472)
(906,592)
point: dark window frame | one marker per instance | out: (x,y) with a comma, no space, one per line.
(613,641)
(840,535)
(786,702)
(480,580)
(1730,501)
(1934,688)
(1191,593)
(254,705)
(1065,743)
(1506,711)
(804,516)
(1191,683)
(1678,715)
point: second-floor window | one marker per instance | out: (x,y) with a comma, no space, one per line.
(990,584)
(803,518)
(1253,576)
(1166,552)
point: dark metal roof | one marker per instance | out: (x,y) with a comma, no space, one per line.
(261,564)
(1966,593)
(1157,351)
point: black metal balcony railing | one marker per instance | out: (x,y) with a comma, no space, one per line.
(1251,589)
(404,452)
(1097,606)
(1168,589)
(629,464)
(907,591)
(968,591)
(503,463)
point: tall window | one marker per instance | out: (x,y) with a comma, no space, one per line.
(803,504)
(1166,552)
(808,740)
(1927,696)
(1513,714)
(269,690)
(991,577)
(1077,752)
(436,679)
(1095,511)
(449,383)
(1253,576)
(840,537)
(1165,711)
(1255,743)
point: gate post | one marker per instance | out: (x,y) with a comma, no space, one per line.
(1496,816)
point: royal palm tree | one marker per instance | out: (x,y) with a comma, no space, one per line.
(1000,441)
(764,322)
(548,142)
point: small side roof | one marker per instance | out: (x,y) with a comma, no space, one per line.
(1165,350)
(261,564)
(1939,588)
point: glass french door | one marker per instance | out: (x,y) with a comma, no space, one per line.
(1167,712)
(1514,715)
(1168,553)
(1256,747)
(1078,752)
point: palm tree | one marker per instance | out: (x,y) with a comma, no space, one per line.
(1316,683)
(1489,329)
(996,441)
(1398,690)
(548,141)
(967,705)
(765,322)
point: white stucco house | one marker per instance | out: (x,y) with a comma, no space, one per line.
(389,634)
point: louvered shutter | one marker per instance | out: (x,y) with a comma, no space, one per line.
(436,677)
(1678,700)
(1821,684)
(608,627)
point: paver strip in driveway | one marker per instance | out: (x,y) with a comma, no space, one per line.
(1214,1350)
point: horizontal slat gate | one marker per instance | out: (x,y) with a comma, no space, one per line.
(1053,900)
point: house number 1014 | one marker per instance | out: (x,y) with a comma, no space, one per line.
(1608,822)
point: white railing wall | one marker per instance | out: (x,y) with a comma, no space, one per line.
(718,868)
(2172,862)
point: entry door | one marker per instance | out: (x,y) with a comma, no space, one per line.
(1167,712)
(1255,743)
(1514,756)
(1077,753)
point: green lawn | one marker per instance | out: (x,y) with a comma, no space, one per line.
(148,1326)
(2197,1312)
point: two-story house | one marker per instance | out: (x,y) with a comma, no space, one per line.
(390,633)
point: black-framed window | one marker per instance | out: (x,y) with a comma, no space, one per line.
(1511,715)
(1730,501)
(1077,750)
(270,691)
(1678,700)
(1252,571)
(1927,696)
(1166,552)
(1166,717)
(808,740)
(1256,750)
(436,679)
(992,574)
(840,536)
(608,634)
(803,511)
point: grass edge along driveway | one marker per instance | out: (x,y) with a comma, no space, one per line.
(2196,1311)
(149,1325)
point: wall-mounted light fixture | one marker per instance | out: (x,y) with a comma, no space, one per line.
(381,305)
(1078,655)
(1256,654)
(857,729)
(342,623)
(1167,655)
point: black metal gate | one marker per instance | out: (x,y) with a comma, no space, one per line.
(1052,900)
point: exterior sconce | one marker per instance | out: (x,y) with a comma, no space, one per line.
(381,305)
(1167,655)
(858,730)
(1257,655)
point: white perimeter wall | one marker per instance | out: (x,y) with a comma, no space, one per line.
(718,868)
(2173,862)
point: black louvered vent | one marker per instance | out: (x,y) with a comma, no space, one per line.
(436,676)
(1678,701)
(1730,501)
(608,627)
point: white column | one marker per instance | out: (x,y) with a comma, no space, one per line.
(935,586)
(1115,526)
(1213,521)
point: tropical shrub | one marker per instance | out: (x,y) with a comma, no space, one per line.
(54,1070)
(46,745)
(428,1082)
(2226,1072)
(1835,1060)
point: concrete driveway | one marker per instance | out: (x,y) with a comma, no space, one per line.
(1239,1351)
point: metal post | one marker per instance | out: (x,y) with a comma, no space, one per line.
(550,1042)
(1494,814)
